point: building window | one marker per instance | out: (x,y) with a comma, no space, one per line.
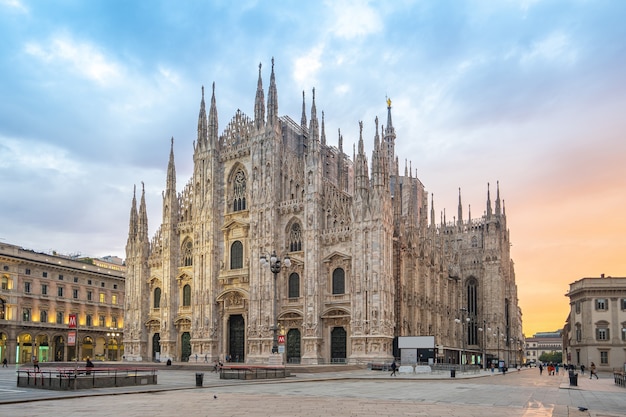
(187,295)
(75,279)
(114,322)
(88,320)
(602,333)
(157,298)
(623,332)
(294,285)
(43,316)
(115,286)
(1,309)
(577,305)
(295,238)
(75,294)
(604,357)
(5,283)
(44,289)
(89,282)
(26,314)
(114,299)
(44,274)
(27,271)
(579,333)
(623,303)
(102,297)
(27,287)
(188,253)
(89,295)
(60,291)
(602,304)
(102,284)
(239,191)
(236,255)
(339,281)
(60,277)
(101,321)
(60,315)
(474,242)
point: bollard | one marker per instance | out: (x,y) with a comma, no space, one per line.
(199,377)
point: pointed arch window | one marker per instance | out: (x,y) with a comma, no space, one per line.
(239,191)
(339,281)
(472,311)
(157,298)
(188,253)
(295,238)
(294,285)
(187,295)
(236,255)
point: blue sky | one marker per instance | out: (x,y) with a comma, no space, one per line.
(528,93)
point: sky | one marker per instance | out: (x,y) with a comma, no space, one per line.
(530,94)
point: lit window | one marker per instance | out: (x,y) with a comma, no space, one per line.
(114,299)
(101,321)
(102,297)
(26,314)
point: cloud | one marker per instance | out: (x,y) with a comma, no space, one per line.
(353,19)
(307,66)
(82,58)
(15,5)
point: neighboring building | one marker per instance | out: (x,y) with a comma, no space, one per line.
(544,342)
(39,291)
(596,325)
(366,266)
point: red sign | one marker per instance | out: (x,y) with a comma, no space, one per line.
(71,338)
(281,339)
(72,322)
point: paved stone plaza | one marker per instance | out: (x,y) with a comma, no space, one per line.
(358,393)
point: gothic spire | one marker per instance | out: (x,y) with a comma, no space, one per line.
(213,128)
(432,209)
(498,198)
(171,170)
(390,135)
(303,118)
(489,212)
(202,124)
(133,224)
(460,209)
(314,124)
(259,103)
(143,216)
(272,100)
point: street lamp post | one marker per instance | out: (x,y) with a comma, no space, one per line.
(275,265)
(484,331)
(463,321)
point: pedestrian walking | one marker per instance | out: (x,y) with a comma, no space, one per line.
(394,368)
(540,369)
(582,369)
(35,363)
(592,371)
(5,363)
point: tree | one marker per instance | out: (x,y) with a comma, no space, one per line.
(554,357)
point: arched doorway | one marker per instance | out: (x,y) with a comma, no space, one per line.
(293,346)
(87,351)
(43,353)
(24,348)
(185,340)
(59,348)
(156,347)
(236,338)
(338,345)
